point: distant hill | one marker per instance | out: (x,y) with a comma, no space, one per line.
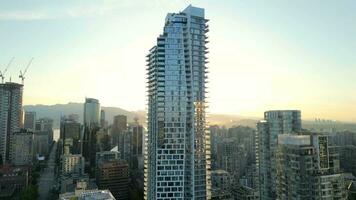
(55,111)
(232,120)
(58,110)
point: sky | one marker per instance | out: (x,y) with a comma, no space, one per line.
(263,54)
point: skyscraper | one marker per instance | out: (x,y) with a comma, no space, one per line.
(91,112)
(308,168)
(117,130)
(70,129)
(91,126)
(30,121)
(10,115)
(102,119)
(275,123)
(136,131)
(178,151)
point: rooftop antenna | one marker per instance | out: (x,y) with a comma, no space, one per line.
(22,74)
(2,74)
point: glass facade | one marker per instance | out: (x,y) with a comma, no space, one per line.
(177,162)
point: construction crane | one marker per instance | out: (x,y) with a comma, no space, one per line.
(2,74)
(22,74)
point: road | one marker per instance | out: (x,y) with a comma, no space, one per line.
(47,179)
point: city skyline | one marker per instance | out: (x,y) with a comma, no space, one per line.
(282,55)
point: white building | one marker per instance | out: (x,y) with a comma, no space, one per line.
(11,118)
(275,122)
(72,164)
(177,163)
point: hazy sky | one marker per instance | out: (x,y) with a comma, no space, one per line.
(264,55)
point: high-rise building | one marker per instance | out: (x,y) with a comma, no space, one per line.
(118,127)
(308,168)
(45,125)
(11,117)
(91,126)
(70,129)
(106,156)
(136,146)
(114,175)
(178,157)
(102,119)
(41,146)
(30,121)
(275,123)
(22,149)
(91,112)
(74,117)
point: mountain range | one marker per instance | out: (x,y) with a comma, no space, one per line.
(56,111)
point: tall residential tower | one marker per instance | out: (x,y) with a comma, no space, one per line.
(308,168)
(177,163)
(275,123)
(10,116)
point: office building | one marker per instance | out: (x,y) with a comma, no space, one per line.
(103,122)
(41,146)
(22,148)
(136,146)
(70,129)
(275,123)
(45,125)
(91,112)
(118,127)
(30,121)
(91,126)
(11,117)
(114,175)
(178,151)
(107,156)
(308,168)
(73,117)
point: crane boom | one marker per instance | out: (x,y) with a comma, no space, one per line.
(2,74)
(28,65)
(22,74)
(8,65)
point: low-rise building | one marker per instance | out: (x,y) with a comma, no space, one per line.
(12,181)
(84,192)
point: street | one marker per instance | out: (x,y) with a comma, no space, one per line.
(47,178)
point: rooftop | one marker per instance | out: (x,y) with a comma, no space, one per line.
(194,11)
(88,195)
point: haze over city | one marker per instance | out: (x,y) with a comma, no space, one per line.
(177,100)
(263,55)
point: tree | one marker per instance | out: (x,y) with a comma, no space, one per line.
(29,193)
